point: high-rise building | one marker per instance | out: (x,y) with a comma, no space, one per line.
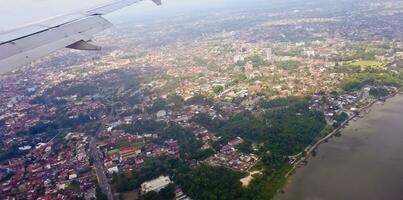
(268,54)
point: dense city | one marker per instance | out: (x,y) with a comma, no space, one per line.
(180,107)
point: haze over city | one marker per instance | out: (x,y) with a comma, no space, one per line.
(28,11)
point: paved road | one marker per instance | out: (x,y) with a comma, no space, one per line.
(100,169)
(96,155)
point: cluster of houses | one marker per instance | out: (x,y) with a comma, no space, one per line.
(125,152)
(230,157)
(206,137)
(55,174)
(333,104)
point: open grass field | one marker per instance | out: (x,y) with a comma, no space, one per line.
(137,145)
(367,63)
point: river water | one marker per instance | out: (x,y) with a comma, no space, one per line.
(365,163)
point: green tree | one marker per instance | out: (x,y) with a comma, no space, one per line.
(99,195)
(41,190)
(175,99)
(205,183)
(339,119)
(290,65)
(218,89)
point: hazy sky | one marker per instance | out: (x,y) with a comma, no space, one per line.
(14,13)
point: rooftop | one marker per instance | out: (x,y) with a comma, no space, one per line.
(156,184)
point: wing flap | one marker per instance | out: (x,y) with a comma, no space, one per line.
(84,45)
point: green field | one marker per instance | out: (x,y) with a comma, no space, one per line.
(137,145)
(113,152)
(367,63)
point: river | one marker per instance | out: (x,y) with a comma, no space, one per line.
(365,163)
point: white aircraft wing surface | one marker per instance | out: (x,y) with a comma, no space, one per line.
(23,45)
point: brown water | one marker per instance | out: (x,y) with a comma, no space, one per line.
(365,163)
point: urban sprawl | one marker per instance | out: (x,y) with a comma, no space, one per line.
(197,95)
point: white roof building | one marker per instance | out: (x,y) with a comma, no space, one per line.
(156,184)
(161,113)
(72,176)
(114,169)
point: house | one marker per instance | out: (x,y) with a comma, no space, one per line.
(114,169)
(236,141)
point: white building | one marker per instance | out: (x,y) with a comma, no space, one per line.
(113,169)
(72,176)
(268,54)
(310,53)
(161,113)
(155,185)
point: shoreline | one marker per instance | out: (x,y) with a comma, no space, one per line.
(307,153)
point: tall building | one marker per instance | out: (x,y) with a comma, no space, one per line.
(268,54)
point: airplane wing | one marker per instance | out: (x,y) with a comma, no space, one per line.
(26,44)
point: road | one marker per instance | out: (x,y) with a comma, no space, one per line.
(96,155)
(100,169)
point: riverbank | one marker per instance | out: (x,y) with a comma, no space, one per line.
(308,150)
(364,162)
